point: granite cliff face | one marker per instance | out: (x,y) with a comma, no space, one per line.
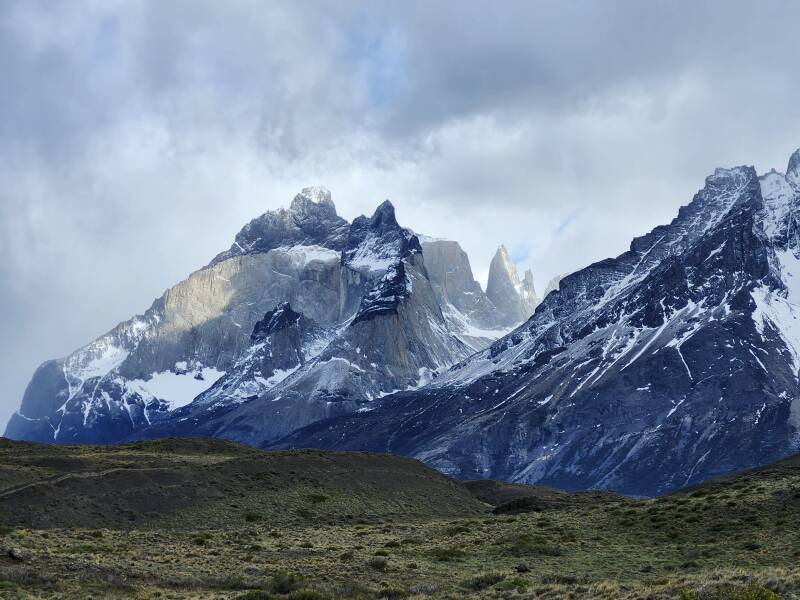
(466,308)
(306,316)
(513,297)
(674,362)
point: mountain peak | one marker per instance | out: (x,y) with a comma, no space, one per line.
(502,260)
(317,194)
(793,170)
(377,242)
(313,201)
(505,289)
(528,277)
(310,220)
(384,215)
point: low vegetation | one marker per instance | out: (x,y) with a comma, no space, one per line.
(243,533)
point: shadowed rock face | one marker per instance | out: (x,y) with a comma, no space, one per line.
(310,221)
(306,316)
(284,332)
(674,362)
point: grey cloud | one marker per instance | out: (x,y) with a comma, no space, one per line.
(136,138)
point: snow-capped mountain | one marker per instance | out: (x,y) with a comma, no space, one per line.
(306,316)
(674,362)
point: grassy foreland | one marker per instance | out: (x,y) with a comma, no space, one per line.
(209,519)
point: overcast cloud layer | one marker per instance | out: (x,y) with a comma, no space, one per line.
(136,138)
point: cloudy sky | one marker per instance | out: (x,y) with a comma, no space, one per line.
(136,138)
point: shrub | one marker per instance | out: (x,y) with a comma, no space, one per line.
(379,563)
(447,554)
(306,594)
(730,592)
(751,546)
(381,553)
(201,538)
(284,583)
(484,580)
(525,544)
(518,583)
(455,530)
(424,588)
(559,579)
(255,595)
(391,593)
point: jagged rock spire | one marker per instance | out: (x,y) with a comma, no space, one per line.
(510,295)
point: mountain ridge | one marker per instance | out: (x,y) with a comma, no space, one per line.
(671,363)
(358,287)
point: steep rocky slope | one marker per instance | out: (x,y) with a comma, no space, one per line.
(672,363)
(306,316)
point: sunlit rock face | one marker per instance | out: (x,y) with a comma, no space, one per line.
(512,296)
(305,316)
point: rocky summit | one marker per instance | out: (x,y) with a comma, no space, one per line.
(306,316)
(517,298)
(669,364)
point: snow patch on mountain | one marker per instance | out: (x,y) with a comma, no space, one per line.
(372,256)
(304,255)
(178,388)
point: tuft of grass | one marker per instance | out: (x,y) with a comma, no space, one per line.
(283,582)
(730,592)
(525,544)
(255,595)
(392,593)
(447,554)
(517,583)
(308,594)
(484,580)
